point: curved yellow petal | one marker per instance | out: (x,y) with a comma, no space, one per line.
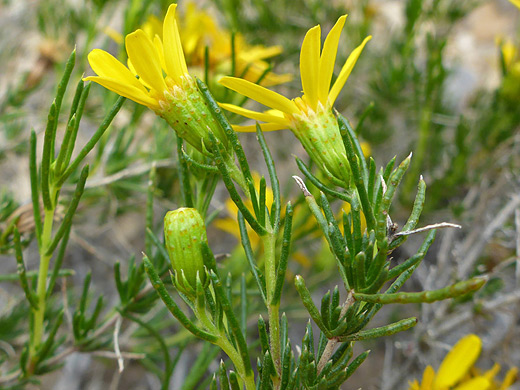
(263,126)
(141,51)
(516,2)
(260,116)
(116,36)
(509,379)
(258,53)
(413,385)
(345,71)
(125,90)
(228,225)
(260,94)
(492,372)
(134,72)
(160,51)
(309,65)
(458,361)
(478,383)
(427,379)
(106,65)
(173,54)
(328,59)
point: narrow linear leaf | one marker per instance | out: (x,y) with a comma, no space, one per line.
(67,220)
(275,184)
(284,256)
(92,142)
(322,187)
(158,285)
(31,297)
(452,291)
(313,311)
(386,330)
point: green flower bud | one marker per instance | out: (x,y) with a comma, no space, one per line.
(184,233)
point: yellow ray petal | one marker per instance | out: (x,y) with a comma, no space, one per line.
(516,2)
(509,379)
(263,126)
(260,116)
(478,383)
(309,65)
(141,51)
(413,385)
(228,225)
(125,90)
(160,51)
(491,373)
(134,72)
(272,79)
(345,71)
(258,53)
(116,36)
(328,58)
(173,54)
(106,65)
(458,361)
(260,94)
(427,379)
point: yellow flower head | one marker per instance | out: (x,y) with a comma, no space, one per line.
(310,117)
(456,370)
(163,82)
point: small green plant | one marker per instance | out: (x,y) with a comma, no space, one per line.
(179,293)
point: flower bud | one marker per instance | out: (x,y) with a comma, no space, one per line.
(184,233)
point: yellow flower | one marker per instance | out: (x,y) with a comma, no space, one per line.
(164,84)
(310,117)
(346,210)
(229,224)
(516,2)
(199,30)
(509,52)
(456,372)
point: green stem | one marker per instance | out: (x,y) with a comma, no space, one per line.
(228,348)
(41,289)
(269,241)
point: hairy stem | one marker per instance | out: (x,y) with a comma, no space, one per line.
(228,348)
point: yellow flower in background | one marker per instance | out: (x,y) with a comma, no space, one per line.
(309,117)
(163,82)
(508,51)
(199,29)
(516,2)
(346,210)
(456,371)
(510,60)
(229,224)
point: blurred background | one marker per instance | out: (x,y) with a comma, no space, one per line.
(439,78)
